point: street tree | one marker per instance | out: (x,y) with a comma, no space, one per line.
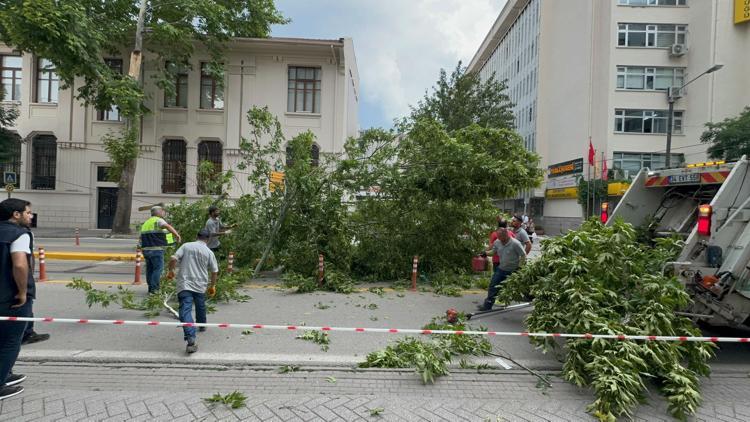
(8,117)
(75,36)
(730,138)
(462,99)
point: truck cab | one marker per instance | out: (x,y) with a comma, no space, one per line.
(708,205)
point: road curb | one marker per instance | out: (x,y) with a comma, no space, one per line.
(87,256)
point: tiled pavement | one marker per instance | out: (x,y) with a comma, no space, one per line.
(120,392)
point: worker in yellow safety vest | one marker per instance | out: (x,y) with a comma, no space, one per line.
(156,235)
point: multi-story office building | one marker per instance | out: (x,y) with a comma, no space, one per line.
(60,159)
(601,70)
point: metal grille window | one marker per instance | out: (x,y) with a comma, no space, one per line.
(43,162)
(11,161)
(174,166)
(210,151)
(649,78)
(650,36)
(646,121)
(632,162)
(11,77)
(113,114)
(180,97)
(212,92)
(303,93)
(47,82)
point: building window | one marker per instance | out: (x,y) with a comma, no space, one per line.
(174,166)
(210,151)
(180,96)
(649,78)
(11,77)
(212,92)
(303,94)
(102,174)
(113,114)
(43,162)
(652,2)
(632,162)
(651,36)
(11,161)
(47,82)
(646,121)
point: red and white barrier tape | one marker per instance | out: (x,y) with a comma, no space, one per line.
(380,330)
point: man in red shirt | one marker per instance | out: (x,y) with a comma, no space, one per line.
(493,237)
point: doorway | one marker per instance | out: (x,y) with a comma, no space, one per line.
(106,206)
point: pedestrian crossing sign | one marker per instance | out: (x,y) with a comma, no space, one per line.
(9,178)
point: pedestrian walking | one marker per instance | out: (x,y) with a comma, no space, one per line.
(156,235)
(520,231)
(501,224)
(196,261)
(215,228)
(512,256)
(17,289)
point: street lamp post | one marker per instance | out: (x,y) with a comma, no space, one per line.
(672,96)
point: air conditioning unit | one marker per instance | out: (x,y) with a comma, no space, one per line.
(674,92)
(678,50)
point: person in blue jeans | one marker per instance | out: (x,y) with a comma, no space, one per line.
(17,287)
(512,256)
(197,263)
(156,235)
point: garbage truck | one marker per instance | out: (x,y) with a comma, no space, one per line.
(708,205)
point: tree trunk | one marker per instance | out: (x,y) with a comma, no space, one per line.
(121,224)
(288,198)
(124,199)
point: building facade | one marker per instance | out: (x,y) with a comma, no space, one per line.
(600,70)
(60,161)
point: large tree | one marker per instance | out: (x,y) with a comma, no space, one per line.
(730,138)
(75,35)
(462,99)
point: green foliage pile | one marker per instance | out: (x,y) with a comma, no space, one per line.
(235,399)
(335,281)
(601,280)
(317,337)
(430,358)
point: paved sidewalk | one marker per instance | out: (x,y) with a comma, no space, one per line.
(73,392)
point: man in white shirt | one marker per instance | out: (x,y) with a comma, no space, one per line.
(196,262)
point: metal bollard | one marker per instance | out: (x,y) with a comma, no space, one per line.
(42,265)
(137,278)
(230,262)
(414,264)
(321,269)
(78,237)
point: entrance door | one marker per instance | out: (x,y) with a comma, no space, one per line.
(106,206)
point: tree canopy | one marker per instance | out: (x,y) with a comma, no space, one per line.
(462,99)
(730,138)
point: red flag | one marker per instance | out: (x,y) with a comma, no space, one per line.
(604,169)
(592,153)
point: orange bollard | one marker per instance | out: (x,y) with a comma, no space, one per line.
(321,269)
(230,262)
(137,278)
(42,265)
(78,237)
(414,264)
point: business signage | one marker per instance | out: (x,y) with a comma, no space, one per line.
(566,168)
(569,181)
(564,193)
(741,11)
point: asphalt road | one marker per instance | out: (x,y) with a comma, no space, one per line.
(87,244)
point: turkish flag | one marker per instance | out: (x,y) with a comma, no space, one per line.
(604,169)
(592,153)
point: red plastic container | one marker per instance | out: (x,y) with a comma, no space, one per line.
(478,264)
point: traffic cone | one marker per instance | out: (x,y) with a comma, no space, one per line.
(42,265)
(414,265)
(137,279)
(78,237)
(230,262)
(321,269)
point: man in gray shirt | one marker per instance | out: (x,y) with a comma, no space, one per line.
(196,262)
(512,256)
(521,234)
(215,227)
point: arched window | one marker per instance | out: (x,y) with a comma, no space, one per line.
(43,162)
(174,163)
(10,155)
(315,155)
(208,184)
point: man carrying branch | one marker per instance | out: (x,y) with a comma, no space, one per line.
(512,256)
